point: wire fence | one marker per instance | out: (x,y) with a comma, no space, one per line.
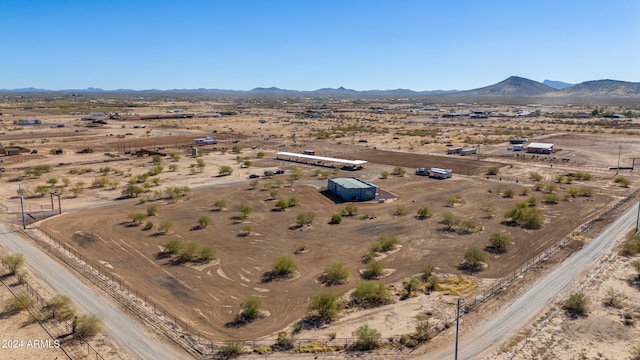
(76,347)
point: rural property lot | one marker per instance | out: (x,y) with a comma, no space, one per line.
(209,296)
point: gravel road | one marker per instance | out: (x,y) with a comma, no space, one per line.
(509,320)
(122,330)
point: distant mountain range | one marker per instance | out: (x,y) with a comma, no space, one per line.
(557,84)
(512,87)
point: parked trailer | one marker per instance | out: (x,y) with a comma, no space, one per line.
(469,151)
(519,140)
(441,173)
(456,150)
(518,147)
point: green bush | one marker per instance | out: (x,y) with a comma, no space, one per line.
(525,216)
(499,242)
(305,218)
(385,243)
(17,304)
(424,213)
(373,270)
(14,262)
(494,170)
(231,349)
(335,273)
(349,210)
(534,176)
(251,307)
(336,219)
(551,198)
(474,257)
(368,338)
(324,306)
(283,266)
(88,326)
(576,304)
(173,247)
(368,293)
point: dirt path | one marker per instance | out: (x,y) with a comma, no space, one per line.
(522,310)
(127,333)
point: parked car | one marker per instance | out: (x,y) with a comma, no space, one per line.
(254,176)
(279,171)
(422,172)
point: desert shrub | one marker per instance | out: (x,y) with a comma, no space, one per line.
(207,254)
(457,199)
(631,246)
(225,170)
(499,242)
(427,271)
(230,349)
(335,219)
(245,210)
(251,307)
(247,229)
(373,270)
(137,218)
(613,298)
(324,306)
(281,205)
(60,306)
(532,201)
(204,221)
(623,181)
(422,330)
(538,187)
(559,179)
(335,273)
(551,198)
(293,201)
(424,213)
(148,225)
(165,226)
(283,266)
(152,210)
(17,304)
(494,170)
(636,266)
(508,193)
(399,171)
(586,191)
(283,342)
(450,220)
(188,252)
(88,326)
(525,216)
(349,210)
(400,210)
(368,293)
(368,338)
(305,218)
(410,286)
(384,243)
(173,247)
(582,175)
(473,257)
(220,204)
(573,191)
(14,262)
(466,226)
(384,174)
(534,176)
(576,303)
(524,191)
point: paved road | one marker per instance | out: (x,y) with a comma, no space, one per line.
(522,310)
(122,330)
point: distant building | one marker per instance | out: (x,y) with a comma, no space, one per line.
(352,189)
(540,148)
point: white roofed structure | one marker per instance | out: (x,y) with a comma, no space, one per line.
(319,160)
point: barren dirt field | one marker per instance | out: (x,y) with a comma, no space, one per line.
(207,296)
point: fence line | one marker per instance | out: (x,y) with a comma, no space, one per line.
(46,325)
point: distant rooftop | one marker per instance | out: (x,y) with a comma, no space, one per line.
(352,183)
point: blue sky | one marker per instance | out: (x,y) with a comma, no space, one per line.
(307,45)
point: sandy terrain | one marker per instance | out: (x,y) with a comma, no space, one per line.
(207,297)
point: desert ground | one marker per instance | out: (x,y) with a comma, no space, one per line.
(207,296)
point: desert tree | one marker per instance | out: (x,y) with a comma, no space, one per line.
(324,306)
(283,266)
(87,326)
(245,210)
(250,308)
(204,221)
(335,273)
(368,338)
(14,262)
(424,213)
(474,257)
(499,242)
(165,226)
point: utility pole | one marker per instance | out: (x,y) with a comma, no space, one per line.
(637,218)
(457,324)
(24,225)
(619,152)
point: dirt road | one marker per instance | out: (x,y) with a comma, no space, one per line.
(128,334)
(522,310)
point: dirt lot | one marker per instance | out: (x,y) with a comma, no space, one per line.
(208,296)
(243,260)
